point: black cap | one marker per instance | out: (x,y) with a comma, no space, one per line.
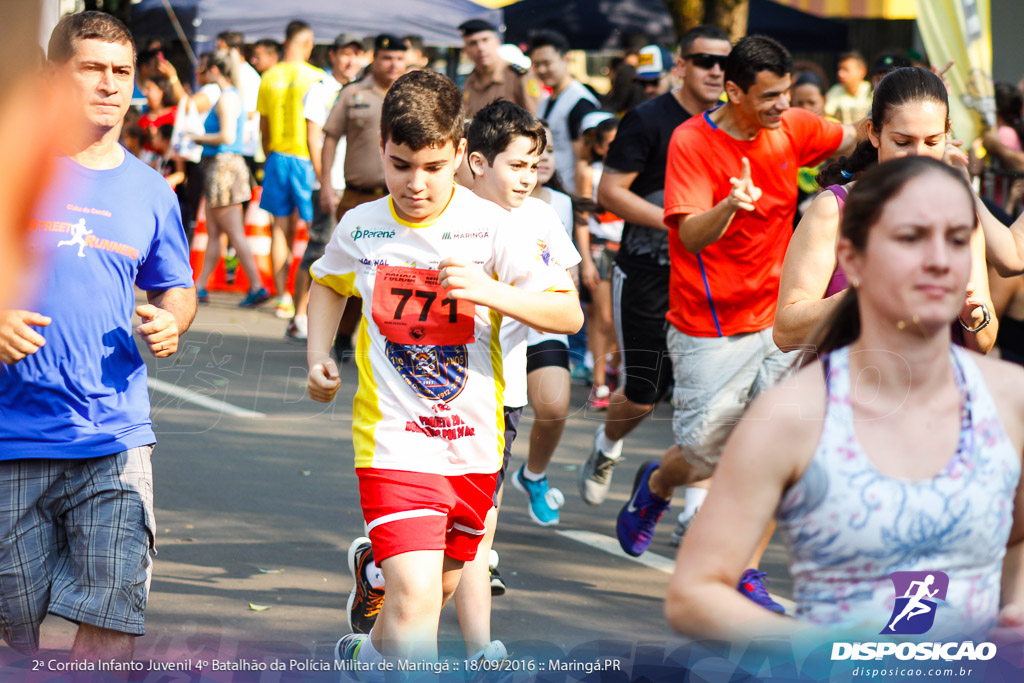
(389,41)
(890,61)
(476,26)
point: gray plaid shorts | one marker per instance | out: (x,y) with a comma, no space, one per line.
(75,540)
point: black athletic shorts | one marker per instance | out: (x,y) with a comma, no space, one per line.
(639,307)
(512,416)
(550,353)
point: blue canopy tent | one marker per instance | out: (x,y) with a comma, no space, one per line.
(436,21)
(604,24)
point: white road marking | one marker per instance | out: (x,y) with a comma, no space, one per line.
(202,400)
(653,560)
(611,546)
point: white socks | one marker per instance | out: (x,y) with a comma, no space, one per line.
(374,575)
(694,499)
(530,476)
(369,657)
(611,449)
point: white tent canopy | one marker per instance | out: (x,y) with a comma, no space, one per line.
(436,21)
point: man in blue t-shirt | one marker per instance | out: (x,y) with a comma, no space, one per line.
(76,491)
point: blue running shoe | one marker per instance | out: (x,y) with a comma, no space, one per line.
(253,299)
(544,502)
(752,586)
(640,514)
(202,296)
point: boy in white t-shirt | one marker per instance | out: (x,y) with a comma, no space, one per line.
(436,268)
(505,143)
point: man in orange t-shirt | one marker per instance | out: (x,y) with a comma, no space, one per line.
(730,195)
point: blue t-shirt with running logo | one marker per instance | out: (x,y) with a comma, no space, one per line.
(95,236)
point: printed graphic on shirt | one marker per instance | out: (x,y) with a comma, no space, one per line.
(78,233)
(437,373)
(82,237)
(545,252)
(444,424)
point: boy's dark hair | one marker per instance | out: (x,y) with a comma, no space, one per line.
(295,27)
(233,39)
(752,55)
(546,38)
(414,41)
(165,131)
(86,26)
(499,123)
(269,44)
(698,32)
(422,109)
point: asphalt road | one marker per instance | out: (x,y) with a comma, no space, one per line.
(259,512)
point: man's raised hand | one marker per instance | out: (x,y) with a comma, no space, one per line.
(744,192)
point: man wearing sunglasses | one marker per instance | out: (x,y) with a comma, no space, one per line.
(632,186)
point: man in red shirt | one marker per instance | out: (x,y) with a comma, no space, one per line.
(730,195)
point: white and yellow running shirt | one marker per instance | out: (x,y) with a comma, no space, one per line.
(514,335)
(430,369)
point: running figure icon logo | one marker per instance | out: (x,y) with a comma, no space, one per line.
(78,233)
(917,594)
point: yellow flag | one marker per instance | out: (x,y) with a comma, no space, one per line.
(961,30)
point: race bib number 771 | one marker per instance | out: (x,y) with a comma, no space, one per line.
(410,307)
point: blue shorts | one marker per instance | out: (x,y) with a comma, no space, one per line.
(288,186)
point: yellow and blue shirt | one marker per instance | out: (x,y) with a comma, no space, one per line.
(282,90)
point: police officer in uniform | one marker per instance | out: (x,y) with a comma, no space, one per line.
(356,117)
(493,77)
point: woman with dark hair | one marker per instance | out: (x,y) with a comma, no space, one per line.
(161,108)
(909,116)
(917,470)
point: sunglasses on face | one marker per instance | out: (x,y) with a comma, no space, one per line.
(703,60)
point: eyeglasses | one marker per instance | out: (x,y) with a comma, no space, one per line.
(703,60)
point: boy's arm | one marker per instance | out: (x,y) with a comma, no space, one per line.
(555,311)
(325,310)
